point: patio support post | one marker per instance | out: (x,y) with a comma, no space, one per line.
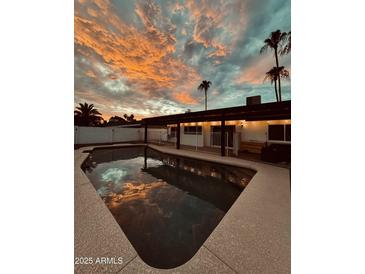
(145,158)
(145,133)
(178,136)
(223,143)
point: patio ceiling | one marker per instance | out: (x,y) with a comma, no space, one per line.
(267,111)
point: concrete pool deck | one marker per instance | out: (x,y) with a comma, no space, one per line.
(253,236)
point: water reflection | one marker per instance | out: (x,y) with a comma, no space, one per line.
(166,205)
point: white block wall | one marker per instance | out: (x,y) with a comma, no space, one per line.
(156,134)
(90,135)
(93,135)
(127,134)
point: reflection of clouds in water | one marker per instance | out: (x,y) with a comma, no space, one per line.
(132,192)
(114,175)
(104,191)
(111,181)
(153,162)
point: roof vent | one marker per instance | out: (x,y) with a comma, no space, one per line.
(253,100)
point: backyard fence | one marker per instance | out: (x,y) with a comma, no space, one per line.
(105,135)
(198,142)
(157,135)
(96,135)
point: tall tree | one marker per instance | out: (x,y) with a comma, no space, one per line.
(287,47)
(275,43)
(87,115)
(129,118)
(204,86)
(274,75)
(116,121)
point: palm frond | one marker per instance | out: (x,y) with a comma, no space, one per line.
(271,75)
(87,114)
(95,111)
(286,49)
(264,49)
(284,74)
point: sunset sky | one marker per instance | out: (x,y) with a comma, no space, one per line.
(149,57)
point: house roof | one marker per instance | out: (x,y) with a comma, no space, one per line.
(266,111)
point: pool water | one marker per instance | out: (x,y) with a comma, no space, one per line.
(166,205)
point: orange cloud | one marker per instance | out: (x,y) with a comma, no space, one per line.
(218,24)
(255,73)
(185,98)
(142,57)
(90,74)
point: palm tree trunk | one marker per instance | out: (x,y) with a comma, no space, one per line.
(206,102)
(277,65)
(276,92)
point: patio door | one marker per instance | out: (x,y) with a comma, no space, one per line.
(215,139)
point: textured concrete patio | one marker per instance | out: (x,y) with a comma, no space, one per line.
(253,236)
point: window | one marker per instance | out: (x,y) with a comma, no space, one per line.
(193,130)
(173,131)
(279,132)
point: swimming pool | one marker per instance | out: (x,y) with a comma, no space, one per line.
(166,205)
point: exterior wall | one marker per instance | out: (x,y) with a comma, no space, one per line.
(258,130)
(191,139)
(206,134)
(205,138)
(228,123)
(255,131)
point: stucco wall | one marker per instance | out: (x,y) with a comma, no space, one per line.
(254,131)
(191,140)
(258,130)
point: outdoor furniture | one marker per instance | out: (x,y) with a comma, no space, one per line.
(252,147)
(275,153)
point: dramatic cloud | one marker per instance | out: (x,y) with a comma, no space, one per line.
(185,98)
(148,57)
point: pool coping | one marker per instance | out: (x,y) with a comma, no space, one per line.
(252,237)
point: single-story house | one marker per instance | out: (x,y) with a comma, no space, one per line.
(243,128)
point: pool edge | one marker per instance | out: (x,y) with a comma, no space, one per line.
(252,247)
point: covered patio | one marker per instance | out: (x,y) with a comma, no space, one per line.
(259,112)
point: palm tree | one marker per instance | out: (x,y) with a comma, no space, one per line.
(87,115)
(287,48)
(205,85)
(116,121)
(274,76)
(275,42)
(129,118)
(271,75)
